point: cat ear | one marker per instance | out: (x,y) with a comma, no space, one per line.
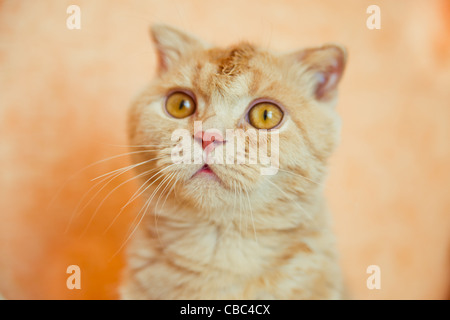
(171,44)
(325,66)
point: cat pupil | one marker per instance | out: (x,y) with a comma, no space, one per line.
(267,114)
(181,104)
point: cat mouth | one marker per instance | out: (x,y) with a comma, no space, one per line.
(206,172)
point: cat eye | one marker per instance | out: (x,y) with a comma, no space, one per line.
(180,105)
(265,115)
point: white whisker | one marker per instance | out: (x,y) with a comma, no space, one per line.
(129,167)
(136,195)
(84,169)
(299,175)
(292,199)
(143,210)
(108,195)
(251,213)
(76,210)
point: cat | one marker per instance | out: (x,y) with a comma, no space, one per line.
(226,231)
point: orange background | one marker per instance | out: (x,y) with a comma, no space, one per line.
(63,101)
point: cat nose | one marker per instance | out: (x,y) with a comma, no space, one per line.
(208,137)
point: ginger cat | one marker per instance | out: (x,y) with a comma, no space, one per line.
(225,231)
(63,103)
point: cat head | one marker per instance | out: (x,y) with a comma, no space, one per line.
(205,91)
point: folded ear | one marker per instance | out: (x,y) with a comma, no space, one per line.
(171,44)
(324,67)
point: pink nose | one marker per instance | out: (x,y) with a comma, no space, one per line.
(206,138)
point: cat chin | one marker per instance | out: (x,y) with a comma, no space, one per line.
(204,192)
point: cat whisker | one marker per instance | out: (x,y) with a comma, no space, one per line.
(113,157)
(74,212)
(108,195)
(234,203)
(292,199)
(60,189)
(251,213)
(140,216)
(147,205)
(172,175)
(173,188)
(240,212)
(116,174)
(128,167)
(141,145)
(156,215)
(136,195)
(299,175)
(147,201)
(123,207)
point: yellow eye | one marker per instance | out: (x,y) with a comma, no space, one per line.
(180,105)
(265,115)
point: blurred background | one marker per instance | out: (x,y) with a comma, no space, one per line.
(64,95)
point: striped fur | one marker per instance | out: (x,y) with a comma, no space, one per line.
(247,236)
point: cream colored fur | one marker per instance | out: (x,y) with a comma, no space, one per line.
(248,236)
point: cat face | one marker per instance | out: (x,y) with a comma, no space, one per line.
(205,91)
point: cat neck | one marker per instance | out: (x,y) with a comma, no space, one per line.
(232,239)
(246,218)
